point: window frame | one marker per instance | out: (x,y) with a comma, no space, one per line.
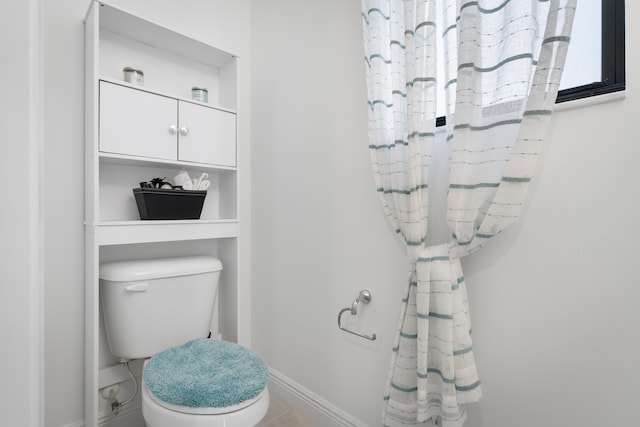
(613,56)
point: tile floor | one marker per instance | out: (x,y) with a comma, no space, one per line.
(279,415)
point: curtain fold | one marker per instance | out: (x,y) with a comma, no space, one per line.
(503,60)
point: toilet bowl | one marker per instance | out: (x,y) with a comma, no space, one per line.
(204,383)
(157,415)
(160,310)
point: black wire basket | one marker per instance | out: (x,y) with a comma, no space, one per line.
(157,203)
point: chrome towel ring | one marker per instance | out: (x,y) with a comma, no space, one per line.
(364,297)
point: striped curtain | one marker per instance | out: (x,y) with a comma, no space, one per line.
(503,60)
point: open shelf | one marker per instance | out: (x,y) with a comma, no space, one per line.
(172,63)
(149,33)
(118,175)
(163,93)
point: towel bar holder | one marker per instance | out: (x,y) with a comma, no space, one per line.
(364,297)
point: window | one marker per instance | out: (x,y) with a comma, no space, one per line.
(595,60)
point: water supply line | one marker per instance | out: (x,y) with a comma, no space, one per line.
(117,406)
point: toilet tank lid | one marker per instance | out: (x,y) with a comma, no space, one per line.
(128,271)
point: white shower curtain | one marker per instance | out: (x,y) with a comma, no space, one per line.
(503,63)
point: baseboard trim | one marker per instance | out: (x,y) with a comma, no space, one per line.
(308,404)
(129,412)
(79,423)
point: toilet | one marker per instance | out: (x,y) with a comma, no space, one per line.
(160,310)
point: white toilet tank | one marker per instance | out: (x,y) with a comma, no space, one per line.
(151,305)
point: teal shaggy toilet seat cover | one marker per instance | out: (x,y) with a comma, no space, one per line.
(206,373)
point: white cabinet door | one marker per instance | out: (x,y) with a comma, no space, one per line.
(207,135)
(137,123)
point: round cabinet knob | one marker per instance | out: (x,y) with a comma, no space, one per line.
(184,131)
(173,129)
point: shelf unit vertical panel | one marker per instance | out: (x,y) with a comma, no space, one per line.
(92,336)
(92,28)
(92,34)
(230,206)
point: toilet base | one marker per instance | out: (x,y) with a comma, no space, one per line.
(156,415)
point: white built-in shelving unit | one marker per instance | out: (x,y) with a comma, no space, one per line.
(128,140)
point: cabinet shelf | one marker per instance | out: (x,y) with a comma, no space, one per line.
(129,232)
(126,160)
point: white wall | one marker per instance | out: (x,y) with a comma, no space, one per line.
(224,24)
(319,234)
(64,211)
(553,299)
(21,215)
